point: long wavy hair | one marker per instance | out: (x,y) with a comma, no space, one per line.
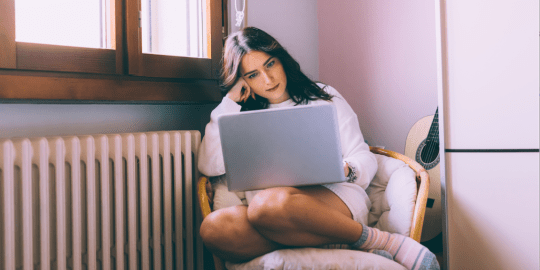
(301,89)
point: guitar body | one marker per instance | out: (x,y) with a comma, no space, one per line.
(415,144)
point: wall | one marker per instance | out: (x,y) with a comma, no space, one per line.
(294,24)
(32,120)
(491,104)
(381,55)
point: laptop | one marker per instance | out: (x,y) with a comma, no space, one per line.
(293,146)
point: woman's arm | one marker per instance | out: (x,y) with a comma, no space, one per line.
(356,153)
(355,150)
(210,153)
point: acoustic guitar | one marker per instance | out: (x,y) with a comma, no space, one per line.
(422,145)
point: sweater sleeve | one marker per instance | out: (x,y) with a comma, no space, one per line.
(355,150)
(210,154)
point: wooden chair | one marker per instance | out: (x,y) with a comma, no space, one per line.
(422,181)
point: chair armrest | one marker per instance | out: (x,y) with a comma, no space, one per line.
(203,197)
(206,210)
(422,181)
(420,207)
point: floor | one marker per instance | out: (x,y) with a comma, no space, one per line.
(435,245)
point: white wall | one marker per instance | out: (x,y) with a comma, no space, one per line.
(294,24)
(381,55)
(490,100)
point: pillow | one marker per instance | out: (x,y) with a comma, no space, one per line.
(223,198)
(392,193)
(315,258)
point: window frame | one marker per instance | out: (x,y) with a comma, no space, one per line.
(64,72)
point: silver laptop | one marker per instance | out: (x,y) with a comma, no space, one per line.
(294,146)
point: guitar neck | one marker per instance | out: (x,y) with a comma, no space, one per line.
(433,135)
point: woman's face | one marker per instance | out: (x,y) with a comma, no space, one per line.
(265,76)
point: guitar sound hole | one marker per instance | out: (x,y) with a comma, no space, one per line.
(430,152)
(427,154)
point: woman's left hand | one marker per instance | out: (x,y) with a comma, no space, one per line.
(346,168)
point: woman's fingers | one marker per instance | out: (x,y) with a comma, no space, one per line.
(241,91)
(246,91)
(237,90)
(346,168)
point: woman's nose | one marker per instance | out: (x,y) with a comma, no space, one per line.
(267,78)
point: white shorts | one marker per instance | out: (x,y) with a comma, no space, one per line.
(355,197)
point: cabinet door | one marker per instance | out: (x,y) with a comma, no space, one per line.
(493,211)
(492,97)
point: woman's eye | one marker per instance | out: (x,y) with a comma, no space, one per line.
(271,64)
(253,75)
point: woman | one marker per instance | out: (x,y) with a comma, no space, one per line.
(258,73)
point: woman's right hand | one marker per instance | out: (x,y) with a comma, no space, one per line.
(240,92)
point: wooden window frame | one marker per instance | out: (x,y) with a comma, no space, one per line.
(40,71)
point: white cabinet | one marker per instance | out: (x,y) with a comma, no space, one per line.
(490,101)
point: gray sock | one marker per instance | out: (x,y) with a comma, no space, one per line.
(363,238)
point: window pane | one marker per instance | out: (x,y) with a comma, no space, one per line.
(174,27)
(79,23)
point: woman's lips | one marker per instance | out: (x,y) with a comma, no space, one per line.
(273,88)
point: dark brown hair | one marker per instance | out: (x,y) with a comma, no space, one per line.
(300,87)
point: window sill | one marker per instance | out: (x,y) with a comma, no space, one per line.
(37,85)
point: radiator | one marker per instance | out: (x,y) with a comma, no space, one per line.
(107,201)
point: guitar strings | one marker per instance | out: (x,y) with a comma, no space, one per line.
(431,146)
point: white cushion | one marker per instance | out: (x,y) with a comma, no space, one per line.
(392,193)
(223,198)
(314,258)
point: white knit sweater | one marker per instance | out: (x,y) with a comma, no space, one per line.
(355,151)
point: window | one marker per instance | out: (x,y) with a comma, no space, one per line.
(173,27)
(110,49)
(82,23)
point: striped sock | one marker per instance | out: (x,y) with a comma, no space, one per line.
(403,250)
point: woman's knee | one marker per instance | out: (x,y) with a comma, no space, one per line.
(271,207)
(228,235)
(220,228)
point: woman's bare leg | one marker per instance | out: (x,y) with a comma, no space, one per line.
(308,216)
(228,235)
(279,217)
(313,216)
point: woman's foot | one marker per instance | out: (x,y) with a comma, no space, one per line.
(403,250)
